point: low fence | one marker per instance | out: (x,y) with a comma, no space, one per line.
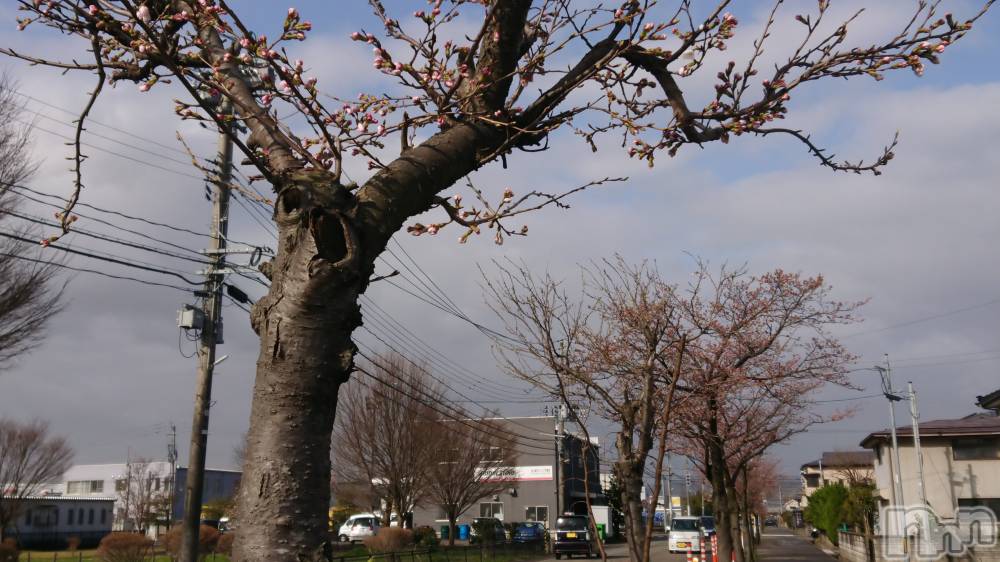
(855,547)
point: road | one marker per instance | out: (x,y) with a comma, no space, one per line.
(776,545)
(783,544)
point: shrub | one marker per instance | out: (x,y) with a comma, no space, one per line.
(225,544)
(8,550)
(426,537)
(124,547)
(174,539)
(72,543)
(826,509)
(389,539)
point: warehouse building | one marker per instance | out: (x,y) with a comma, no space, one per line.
(542,488)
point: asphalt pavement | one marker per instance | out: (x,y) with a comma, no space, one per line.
(783,544)
(776,545)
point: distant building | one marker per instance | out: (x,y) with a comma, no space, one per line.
(836,466)
(961,463)
(112,480)
(51,520)
(532,497)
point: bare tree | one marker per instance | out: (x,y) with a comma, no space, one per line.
(762,351)
(472,461)
(615,347)
(530,68)
(30,295)
(144,489)
(385,433)
(29,458)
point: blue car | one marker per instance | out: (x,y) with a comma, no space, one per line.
(529,533)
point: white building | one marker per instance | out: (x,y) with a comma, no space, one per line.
(129,484)
(50,520)
(961,463)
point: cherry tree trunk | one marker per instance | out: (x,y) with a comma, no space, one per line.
(305,324)
(630,474)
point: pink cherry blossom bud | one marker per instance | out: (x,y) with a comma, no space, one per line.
(415,99)
(648,27)
(144,87)
(457,198)
(245,42)
(435,11)
(449,83)
(266,99)
(356,36)
(418,14)
(524,229)
(285,86)
(293,13)
(508,193)
(939,48)
(362,126)
(143,14)
(440,121)
(432,229)
(381,129)
(92,9)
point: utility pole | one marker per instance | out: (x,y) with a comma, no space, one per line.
(560,427)
(921,491)
(886,374)
(172,458)
(212,308)
(687,486)
(670,495)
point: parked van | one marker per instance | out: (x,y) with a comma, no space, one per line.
(358,527)
(685,534)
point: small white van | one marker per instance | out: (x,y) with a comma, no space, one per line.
(685,534)
(359,526)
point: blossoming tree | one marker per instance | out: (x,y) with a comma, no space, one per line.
(470,101)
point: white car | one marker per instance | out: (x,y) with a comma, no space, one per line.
(358,527)
(685,534)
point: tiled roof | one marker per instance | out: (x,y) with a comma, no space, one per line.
(975,424)
(834,459)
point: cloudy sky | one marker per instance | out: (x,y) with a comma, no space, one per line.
(919,241)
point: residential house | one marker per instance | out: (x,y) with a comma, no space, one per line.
(961,462)
(836,466)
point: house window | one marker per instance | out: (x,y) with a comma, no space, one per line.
(992,503)
(971,449)
(70,522)
(121,485)
(104,516)
(79,516)
(491,509)
(80,487)
(812,480)
(538,513)
(27,517)
(90,517)
(156,484)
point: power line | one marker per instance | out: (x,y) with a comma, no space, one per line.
(448,364)
(511,435)
(443,383)
(107,211)
(990,302)
(95,122)
(97,272)
(103,237)
(111,152)
(102,258)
